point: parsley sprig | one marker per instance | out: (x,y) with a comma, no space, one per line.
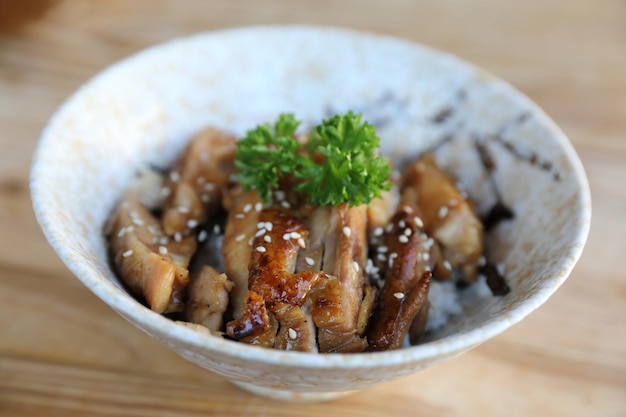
(341,162)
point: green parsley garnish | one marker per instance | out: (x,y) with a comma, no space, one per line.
(341,164)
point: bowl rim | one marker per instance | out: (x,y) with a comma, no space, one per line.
(447,346)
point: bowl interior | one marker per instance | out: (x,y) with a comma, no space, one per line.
(144,109)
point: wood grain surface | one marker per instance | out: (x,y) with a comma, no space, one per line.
(63,352)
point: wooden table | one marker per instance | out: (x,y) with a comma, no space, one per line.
(63,352)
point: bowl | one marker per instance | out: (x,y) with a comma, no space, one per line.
(144,109)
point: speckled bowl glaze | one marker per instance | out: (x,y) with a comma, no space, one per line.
(144,109)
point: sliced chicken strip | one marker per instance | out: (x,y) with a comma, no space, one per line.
(448,217)
(195,185)
(406,285)
(380,211)
(151,264)
(208,298)
(273,287)
(297,330)
(241,227)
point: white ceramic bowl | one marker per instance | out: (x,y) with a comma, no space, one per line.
(144,109)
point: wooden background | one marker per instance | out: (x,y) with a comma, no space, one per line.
(64,353)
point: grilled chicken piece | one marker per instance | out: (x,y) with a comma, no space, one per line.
(207,298)
(151,264)
(339,238)
(275,292)
(448,217)
(241,227)
(380,212)
(406,287)
(195,185)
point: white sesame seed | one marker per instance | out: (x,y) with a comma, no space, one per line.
(162,250)
(260,225)
(165,191)
(127,253)
(258,206)
(239,216)
(426,256)
(267,238)
(202,236)
(261,249)
(398,295)
(427,268)
(378,231)
(402,224)
(178,237)
(501,268)
(302,243)
(280,195)
(403,239)
(389,227)
(205,198)
(287,236)
(393,255)
(153,230)
(355,266)
(382,249)
(285,204)
(447,265)
(247,208)
(191,223)
(408,232)
(216,229)
(183,209)
(443,212)
(418,222)
(292,333)
(137,221)
(295,235)
(209,186)
(200,180)
(346,231)
(260,233)
(240,238)
(482,261)
(154,240)
(174,176)
(309,261)
(407,209)
(121,232)
(269,226)
(453,203)
(250,241)
(430,242)
(164,240)
(381,257)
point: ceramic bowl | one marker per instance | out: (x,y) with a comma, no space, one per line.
(144,109)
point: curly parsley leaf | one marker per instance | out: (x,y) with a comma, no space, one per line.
(266,154)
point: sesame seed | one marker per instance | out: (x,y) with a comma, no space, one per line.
(178,237)
(427,268)
(280,195)
(153,230)
(250,241)
(402,224)
(381,257)
(382,249)
(127,253)
(209,186)
(443,212)
(302,243)
(430,242)
(155,240)
(260,225)
(407,209)
(200,180)
(346,231)
(287,236)
(389,227)
(191,223)
(355,266)
(403,239)
(482,261)
(267,238)
(295,235)
(165,191)
(258,206)
(447,265)
(426,256)
(292,333)
(239,216)
(418,222)
(216,229)
(453,203)
(393,255)
(408,232)
(309,261)
(247,208)
(240,238)
(205,198)
(398,295)
(121,232)
(269,226)
(164,240)
(202,236)
(260,249)
(378,231)
(174,176)
(183,209)
(137,221)
(260,233)
(501,268)
(285,204)
(162,250)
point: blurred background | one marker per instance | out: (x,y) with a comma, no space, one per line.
(63,352)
